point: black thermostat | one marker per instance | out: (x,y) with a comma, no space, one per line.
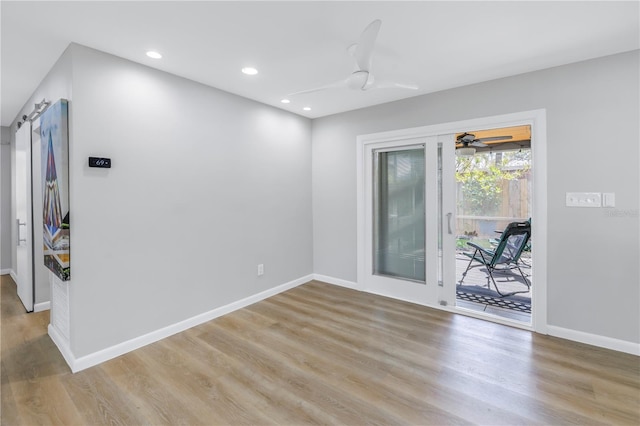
(104,163)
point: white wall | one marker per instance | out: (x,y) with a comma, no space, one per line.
(5,200)
(204,186)
(592,135)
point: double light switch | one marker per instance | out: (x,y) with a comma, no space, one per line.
(591,199)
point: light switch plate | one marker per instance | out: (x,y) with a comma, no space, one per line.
(608,199)
(584,199)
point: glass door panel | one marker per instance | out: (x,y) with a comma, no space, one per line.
(399,214)
(401,230)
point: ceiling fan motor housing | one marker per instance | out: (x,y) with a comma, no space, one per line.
(360,80)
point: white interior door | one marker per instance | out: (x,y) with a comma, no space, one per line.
(40,271)
(24,225)
(404,219)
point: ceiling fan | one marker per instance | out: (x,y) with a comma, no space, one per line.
(466,143)
(362,78)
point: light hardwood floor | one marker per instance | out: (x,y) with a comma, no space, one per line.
(320,354)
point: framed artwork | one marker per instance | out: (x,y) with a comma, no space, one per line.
(55,188)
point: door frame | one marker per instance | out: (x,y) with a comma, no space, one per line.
(538,122)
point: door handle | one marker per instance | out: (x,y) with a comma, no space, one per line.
(20,240)
(449,222)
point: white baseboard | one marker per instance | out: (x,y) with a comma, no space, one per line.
(63,346)
(594,340)
(42,306)
(564,333)
(84,362)
(336,281)
(5,271)
(14,276)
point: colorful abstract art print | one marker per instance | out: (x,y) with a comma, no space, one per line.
(55,187)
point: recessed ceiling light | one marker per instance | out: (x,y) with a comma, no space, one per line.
(153,54)
(307,108)
(285,101)
(249,71)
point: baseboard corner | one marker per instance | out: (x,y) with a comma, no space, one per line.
(63,347)
(336,281)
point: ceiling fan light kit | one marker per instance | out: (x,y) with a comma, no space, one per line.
(467,151)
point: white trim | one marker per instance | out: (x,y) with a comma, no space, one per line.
(42,306)
(560,332)
(5,271)
(336,281)
(354,286)
(84,362)
(14,276)
(484,316)
(595,340)
(537,120)
(63,346)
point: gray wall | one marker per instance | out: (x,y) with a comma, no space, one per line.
(204,186)
(592,141)
(5,200)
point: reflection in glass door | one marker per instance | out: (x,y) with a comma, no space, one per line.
(399,214)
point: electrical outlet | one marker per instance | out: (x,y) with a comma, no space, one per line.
(260,269)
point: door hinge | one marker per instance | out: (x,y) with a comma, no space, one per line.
(440,284)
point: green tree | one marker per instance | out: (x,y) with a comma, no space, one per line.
(481,177)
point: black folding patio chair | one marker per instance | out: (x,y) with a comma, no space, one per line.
(504,257)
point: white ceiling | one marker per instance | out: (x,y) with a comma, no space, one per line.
(298,45)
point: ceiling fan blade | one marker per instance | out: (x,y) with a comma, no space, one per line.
(335,85)
(363,50)
(394,85)
(478,144)
(494,138)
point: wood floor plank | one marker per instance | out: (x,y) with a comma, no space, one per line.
(403,384)
(8,405)
(99,401)
(320,354)
(213,396)
(404,396)
(158,404)
(268,368)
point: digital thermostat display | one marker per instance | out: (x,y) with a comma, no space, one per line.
(104,163)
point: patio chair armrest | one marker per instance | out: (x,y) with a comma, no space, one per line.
(482,249)
(474,245)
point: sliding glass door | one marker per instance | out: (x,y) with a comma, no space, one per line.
(403,210)
(399,213)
